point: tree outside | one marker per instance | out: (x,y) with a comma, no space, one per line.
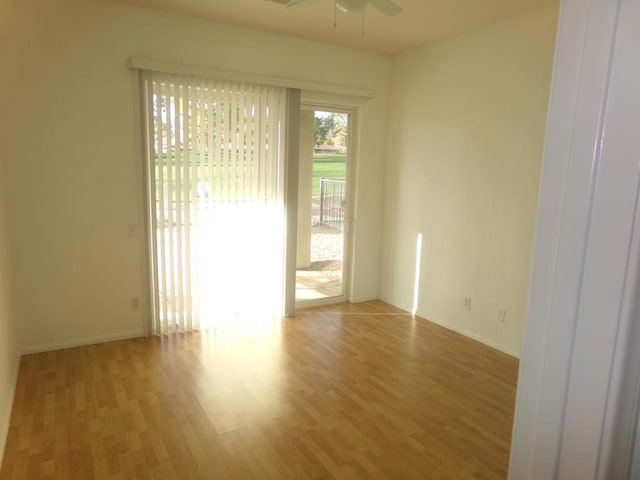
(330,128)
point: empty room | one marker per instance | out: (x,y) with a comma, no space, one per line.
(252,239)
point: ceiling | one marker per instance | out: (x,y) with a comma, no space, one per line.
(421,21)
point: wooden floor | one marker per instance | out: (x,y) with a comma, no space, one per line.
(343,392)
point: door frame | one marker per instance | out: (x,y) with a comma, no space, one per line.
(351,171)
(577,400)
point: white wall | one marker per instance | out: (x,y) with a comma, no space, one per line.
(9,348)
(466,126)
(76,174)
(9,335)
(461,170)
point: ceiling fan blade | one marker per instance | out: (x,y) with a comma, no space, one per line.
(299,3)
(386,6)
(349,7)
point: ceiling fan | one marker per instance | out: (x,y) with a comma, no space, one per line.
(351,6)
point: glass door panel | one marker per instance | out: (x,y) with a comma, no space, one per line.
(322,208)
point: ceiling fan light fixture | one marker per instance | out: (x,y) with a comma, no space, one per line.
(351,6)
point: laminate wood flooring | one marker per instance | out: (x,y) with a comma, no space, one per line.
(359,391)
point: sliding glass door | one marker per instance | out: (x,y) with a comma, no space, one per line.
(215,196)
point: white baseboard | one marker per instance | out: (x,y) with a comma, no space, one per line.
(80,342)
(6,415)
(443,323)
(395,304)
(466,333)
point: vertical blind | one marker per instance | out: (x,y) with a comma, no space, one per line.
(215,195)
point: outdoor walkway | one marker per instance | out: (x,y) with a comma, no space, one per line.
(312,285)
(323,279)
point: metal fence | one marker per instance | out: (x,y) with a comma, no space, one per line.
(332,201)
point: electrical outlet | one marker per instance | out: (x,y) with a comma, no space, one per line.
(502,316)
(467,303)
(135,303)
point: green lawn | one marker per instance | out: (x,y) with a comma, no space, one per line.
(325,165)
(328,165)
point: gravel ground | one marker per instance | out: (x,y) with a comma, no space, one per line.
(326,248)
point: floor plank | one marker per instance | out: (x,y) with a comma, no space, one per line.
(351,391)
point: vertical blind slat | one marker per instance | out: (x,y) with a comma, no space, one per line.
(187,207)
(179,210)
(228,143)
(160,206)
(171,281)
(212,131)
(260,176)
(151,130)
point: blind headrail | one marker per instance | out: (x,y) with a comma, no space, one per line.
(214,73)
